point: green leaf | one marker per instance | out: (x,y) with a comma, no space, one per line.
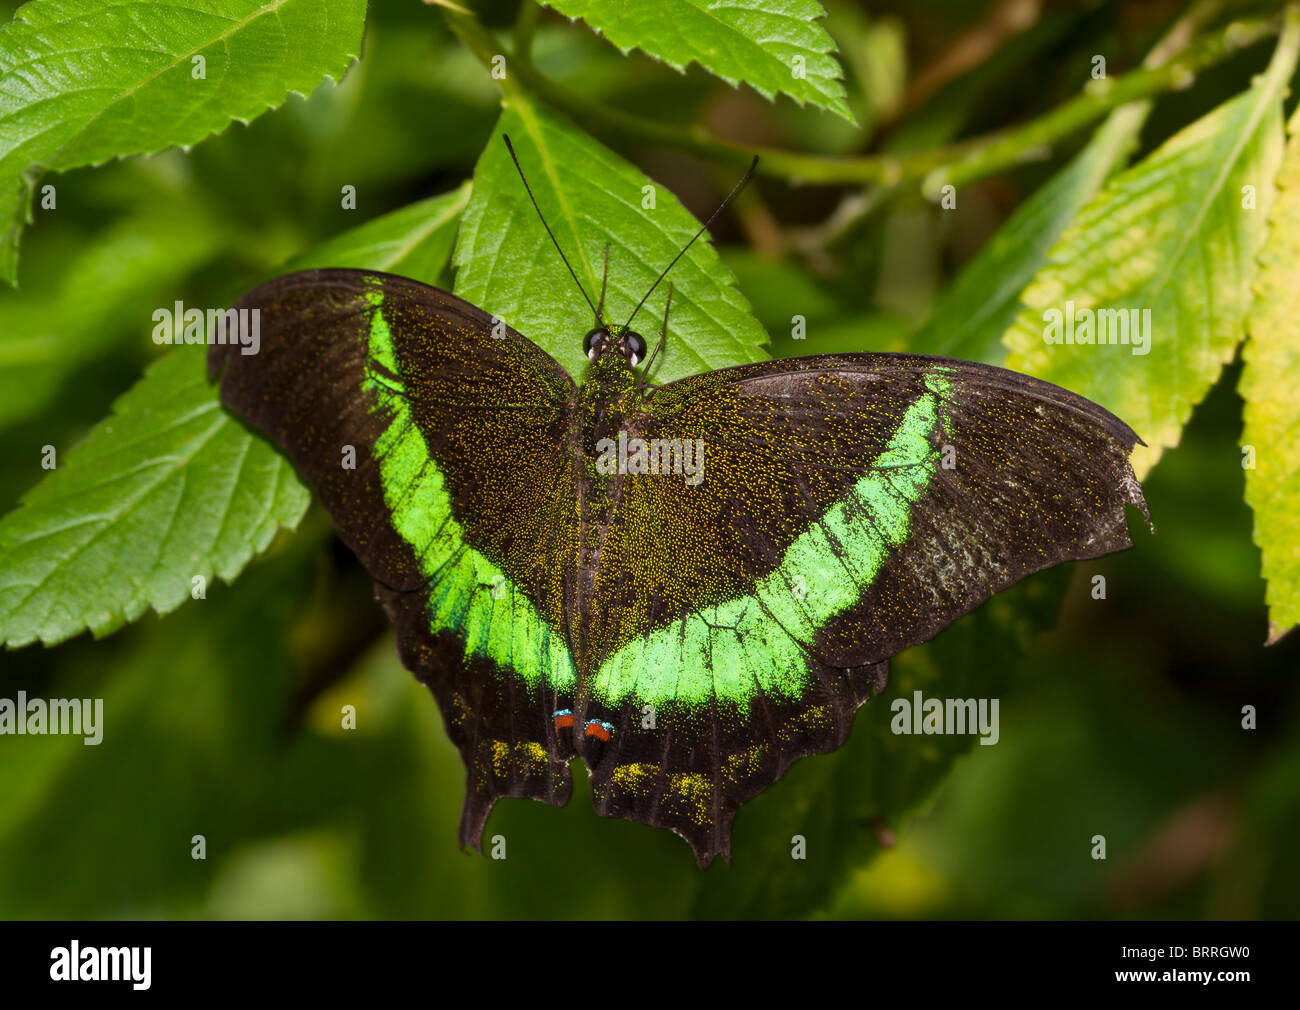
(984,301)
(1171,236)
(167,489)
(415,241)
(91,80)
(171,486)
(106,289)
(591,196)
(1268,385)
(772,45)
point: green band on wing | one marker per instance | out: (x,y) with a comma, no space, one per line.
(467,591)
(749,645)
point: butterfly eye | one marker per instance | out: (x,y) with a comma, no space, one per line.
(589,344)
(636,344)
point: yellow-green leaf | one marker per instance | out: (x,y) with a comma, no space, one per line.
(1271,436)
(1169,248)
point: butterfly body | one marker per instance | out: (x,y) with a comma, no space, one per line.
(607,398)
(688,586)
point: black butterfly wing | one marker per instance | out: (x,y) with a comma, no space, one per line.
(850,506)
(438,440)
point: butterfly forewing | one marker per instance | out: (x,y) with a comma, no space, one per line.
(438,440)
(851,506)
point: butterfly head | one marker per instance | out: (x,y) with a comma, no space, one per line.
(628,344)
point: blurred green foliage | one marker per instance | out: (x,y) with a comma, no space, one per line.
(1120,716)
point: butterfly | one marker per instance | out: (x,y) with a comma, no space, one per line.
(690,585)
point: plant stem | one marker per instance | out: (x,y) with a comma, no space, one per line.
(525,29)
(953,164)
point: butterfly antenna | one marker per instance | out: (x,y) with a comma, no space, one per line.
(604,280)
(749,174)
(663,335)
(528,189)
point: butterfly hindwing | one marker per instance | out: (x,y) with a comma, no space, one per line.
(850,506)
(437,439)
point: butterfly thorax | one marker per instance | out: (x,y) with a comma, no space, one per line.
(607,395)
